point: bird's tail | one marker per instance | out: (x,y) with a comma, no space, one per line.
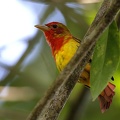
(105,98)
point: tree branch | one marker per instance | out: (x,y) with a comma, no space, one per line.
(52,103)
(78,107)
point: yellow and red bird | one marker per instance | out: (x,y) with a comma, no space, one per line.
(64,45)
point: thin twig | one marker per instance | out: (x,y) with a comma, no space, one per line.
(52,103)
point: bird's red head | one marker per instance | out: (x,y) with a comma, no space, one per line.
(55,33)
(58,29)
(54,30)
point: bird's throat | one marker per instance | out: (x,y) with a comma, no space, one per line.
(56,42)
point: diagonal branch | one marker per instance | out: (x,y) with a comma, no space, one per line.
(77,109)
(52,103)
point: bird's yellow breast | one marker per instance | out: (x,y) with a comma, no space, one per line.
(66,52)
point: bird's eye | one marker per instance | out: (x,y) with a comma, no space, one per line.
(54,26)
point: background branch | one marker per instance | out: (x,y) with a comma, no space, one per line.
(52,103)
(77,109)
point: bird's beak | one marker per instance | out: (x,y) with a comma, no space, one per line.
(43,28)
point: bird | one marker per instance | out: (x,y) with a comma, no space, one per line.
(63,47)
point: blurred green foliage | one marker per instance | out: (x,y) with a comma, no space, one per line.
(105,59)
(36,68)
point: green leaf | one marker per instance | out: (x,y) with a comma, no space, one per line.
(105,60)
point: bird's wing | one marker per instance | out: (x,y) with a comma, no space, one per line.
(76,39)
